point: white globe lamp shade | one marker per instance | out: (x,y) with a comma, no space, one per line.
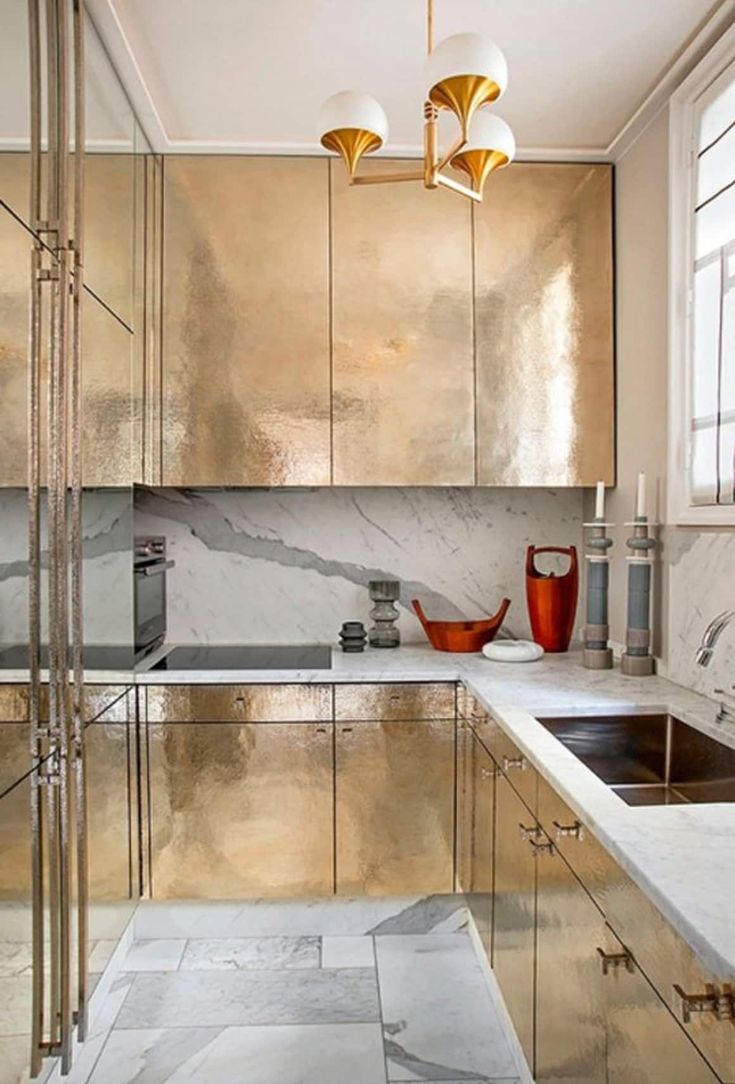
(352,124)
(465,72)
(491,145)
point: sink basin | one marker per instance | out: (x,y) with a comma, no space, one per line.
(650,759)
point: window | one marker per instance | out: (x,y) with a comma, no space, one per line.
(702,311)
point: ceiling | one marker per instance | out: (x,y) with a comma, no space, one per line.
(251,74)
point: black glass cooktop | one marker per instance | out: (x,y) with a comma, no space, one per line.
(248,657)
(94,657)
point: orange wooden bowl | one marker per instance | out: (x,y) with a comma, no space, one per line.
(461,635)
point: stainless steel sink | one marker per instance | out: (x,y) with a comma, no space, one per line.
(650,759)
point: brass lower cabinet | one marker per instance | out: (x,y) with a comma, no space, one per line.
(476,828)
(240,810)
(514,916)
(112,806)
(571,1030)
(645,1045)
(394,807)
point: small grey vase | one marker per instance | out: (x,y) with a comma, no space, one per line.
(384,593)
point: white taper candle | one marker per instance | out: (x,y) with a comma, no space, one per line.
(640,497)
(600,501)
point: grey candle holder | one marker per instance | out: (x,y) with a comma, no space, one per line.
(384,593)
(597,652)
(637,660)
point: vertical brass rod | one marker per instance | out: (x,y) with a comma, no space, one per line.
(76,527)
(34,544)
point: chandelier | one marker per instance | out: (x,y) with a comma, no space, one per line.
(464,74)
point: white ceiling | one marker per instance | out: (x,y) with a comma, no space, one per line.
(251,74)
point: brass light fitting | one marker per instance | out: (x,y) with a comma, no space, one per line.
(466,73)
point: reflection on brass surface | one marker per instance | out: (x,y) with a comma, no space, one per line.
(246,321)
(475,843)
(241,810)
(238,703)
(394,701)
(514,913)
(644,1042)
(544,325)
(402,353)
(109,224)
(570,1008)
(394,808)
(109,772)
(107,403)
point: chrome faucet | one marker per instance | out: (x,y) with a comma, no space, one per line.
(704,654)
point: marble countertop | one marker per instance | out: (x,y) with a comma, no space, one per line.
(683,857)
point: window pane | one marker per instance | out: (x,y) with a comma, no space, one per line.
(716,167)
(727,384)
(719,113)
(715,224)
(706,342)
(704,465)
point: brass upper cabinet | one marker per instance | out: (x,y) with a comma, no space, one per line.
(246,371)
(403,380)
(544,326)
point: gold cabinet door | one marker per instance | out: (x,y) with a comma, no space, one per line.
(246,354)
(544,327)
(476,830)
(240,810)
(394,807)
(514,912)
(403,398)
(571,1034)
(645,1043)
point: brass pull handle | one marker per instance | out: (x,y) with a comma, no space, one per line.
(569,831)
(321,730)
(487,773)
(346,729)
(514,762)
(529,833)
(721,1005)
(542,846)
(613,960)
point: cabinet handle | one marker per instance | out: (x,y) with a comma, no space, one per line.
(487,773)
(721,1005)
(542,846)
(321,730)
(346,729)
(514,762)
(612,960)
(569,831)
(529,833)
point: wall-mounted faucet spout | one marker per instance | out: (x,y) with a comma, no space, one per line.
(711,635)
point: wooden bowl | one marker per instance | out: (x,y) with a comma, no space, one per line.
(462,636)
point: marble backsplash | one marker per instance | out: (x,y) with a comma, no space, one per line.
(289,566)
(107,581)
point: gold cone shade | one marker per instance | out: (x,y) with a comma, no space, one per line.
(351,144)
(463,94)
(479,164)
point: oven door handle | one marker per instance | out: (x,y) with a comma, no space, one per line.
(154,570)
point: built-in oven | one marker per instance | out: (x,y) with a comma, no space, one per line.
(150,568)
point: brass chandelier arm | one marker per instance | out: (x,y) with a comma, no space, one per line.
(457,186)
(387,178)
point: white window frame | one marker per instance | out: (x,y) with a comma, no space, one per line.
(682,176)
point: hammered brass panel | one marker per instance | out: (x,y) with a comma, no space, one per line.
(15,753)
(241,811)
(15,248)
(403,355)
(107,398)
(109,223)
(394,808)
(14,702)
(476,831)
(571,1032)
(238,703)
(514,914)
(394,701)
(544,320)
(15,861)
(111,788)
(246,321)
(645,1044)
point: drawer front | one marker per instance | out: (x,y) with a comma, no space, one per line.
(664,957)
(238,703)
(514,765)
(394,702)
(15,701)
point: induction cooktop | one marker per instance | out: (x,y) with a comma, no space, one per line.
(247,657)
(94,657)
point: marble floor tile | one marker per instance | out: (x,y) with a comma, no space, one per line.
(15,1004)
(160,954)
(100,955)
(237,998)
(315,1054)
(348,952)
(16,958)
(253,953)
(296,918)
(86,1053)
(439,1022)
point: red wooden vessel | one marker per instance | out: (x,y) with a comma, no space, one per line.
(461,635)
(552,599)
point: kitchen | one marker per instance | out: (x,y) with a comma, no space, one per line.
(366,575)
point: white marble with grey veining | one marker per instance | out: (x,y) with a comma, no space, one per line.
(253,953)
(280,566)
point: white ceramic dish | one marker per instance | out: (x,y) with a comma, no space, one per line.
(513,651)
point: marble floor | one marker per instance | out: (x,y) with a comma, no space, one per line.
(330,992)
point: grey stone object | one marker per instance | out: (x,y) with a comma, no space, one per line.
(597,653)
(352,636)
(637,660)
(385,594)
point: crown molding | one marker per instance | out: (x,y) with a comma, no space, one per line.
(104,16)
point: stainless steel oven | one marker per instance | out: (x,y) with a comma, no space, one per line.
(150,568)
